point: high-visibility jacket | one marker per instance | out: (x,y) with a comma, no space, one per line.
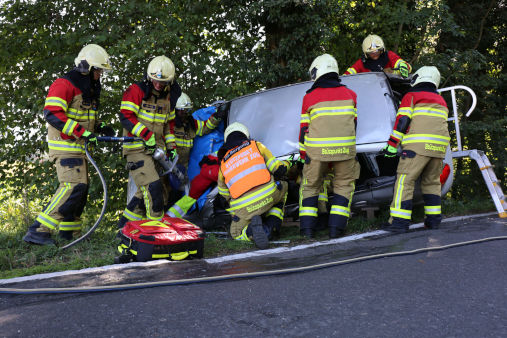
(330,115)
(184,137)
(244,168)
(427,134)
(70,109)
(143,114)
(260,191)
(388,61)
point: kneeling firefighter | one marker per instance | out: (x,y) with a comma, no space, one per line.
(146,111)
(249,178)
(70,110)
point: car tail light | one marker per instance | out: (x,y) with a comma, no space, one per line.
(445,174)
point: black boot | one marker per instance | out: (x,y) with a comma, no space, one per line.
(395,228)
(66,234)
(33,236)
(335,232)
(306,232)
(260,237)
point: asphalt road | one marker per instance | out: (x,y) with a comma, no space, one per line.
(459,292)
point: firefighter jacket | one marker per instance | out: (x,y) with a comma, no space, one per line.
(245,175)
(184,134)
(426,133)
(328,121)
(144,112)
(386,62)
(70,109)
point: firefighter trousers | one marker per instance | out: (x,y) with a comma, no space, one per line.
(271,206)
(64,210)
(152,191)
(409,170)
(342,184)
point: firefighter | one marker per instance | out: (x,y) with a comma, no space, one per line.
(207,177)
(185,128)
(421,129)
(71,111)
(327,138)
(376,59)
(249,179)
(146,111)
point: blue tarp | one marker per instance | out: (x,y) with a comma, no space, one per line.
(204,145)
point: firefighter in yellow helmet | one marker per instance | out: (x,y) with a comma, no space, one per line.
(147,109)
(421,130)
(71,112)
(249,178)
(375,58)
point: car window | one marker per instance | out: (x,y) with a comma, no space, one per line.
(272,116)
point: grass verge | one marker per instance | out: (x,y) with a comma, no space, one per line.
(20,259)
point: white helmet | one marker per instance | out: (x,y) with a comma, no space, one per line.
(161,68)
(372,43)
(323,64)
(92,56)
(236,126)
(426,74)
(184,102)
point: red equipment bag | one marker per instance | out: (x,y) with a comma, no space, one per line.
(172,238)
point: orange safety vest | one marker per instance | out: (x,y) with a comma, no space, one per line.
(244,168)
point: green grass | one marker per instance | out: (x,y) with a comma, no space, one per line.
(20,259)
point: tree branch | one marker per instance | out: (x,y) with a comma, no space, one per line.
(483,21)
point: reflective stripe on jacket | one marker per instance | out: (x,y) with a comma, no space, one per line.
(244,168)
(141,116)
(428,134)
(68,116)
(330,114)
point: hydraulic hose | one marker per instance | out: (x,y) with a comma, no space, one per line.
(104,185)
(123,287)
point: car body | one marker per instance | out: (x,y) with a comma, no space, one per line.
(273,116)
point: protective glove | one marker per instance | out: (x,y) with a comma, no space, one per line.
(171,154)
(151,144)
(403,69)
(220,202)
(90,137)
(389,151)
(223,110)
(280,172)
(105,130)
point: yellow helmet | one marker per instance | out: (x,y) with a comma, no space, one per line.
(161,68)
(236,126)
(92,56)
(184,102)
(323,64)
(372,43)
(426,74)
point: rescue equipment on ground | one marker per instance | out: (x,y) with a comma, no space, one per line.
(171,238)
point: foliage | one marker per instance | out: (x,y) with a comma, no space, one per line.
(226,48)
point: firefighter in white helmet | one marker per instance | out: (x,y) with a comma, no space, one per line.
(185,127)
(327,139)
(421,130)
(250,180)
(375,58)
(71,112)
(147,110)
